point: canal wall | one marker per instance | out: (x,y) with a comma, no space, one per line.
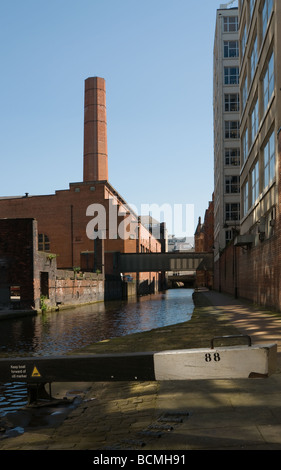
(59,288)
(251,274)
(76,289)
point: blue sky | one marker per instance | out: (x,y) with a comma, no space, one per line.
(157,59)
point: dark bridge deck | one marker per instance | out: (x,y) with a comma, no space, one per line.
(152,262)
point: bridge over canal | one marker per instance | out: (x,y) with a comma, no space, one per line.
(169,262)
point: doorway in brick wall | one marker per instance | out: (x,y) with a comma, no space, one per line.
(44,284)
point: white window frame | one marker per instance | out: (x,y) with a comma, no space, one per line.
(255,181)
(245,193)
(269,160)
(232,184)
(245,145)
(231,49)
(254,57)
(255,121)
(266,13)
(252,5)
(232,211)
(268,82)
(231,130)
(231,101)
(228,236)
(244,40)
(230,24)
(232,156)
(229,78)
(244,93)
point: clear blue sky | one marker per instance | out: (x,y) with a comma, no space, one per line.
(157,59)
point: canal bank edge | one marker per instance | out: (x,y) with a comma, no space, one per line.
(9,314)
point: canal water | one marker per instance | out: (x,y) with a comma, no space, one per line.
(58,333)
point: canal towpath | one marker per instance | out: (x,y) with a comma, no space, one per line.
(176,415)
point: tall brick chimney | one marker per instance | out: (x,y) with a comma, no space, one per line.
(95,131)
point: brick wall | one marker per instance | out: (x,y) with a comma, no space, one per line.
(64,288)
(35,273)
(26,274)
(253,273)
(16,260)
(77,289)
(63,218)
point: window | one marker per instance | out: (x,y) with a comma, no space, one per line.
(269,160)
(232,130)
(44,284)
(228,236)
(231,49)
(15,294)
(231,75)
(43,242)
(245,194)
(232,211)
(232,185)
(232,156)
(266,12)
(244,93)
(255,182)
(254,58)
(252,5)
(244,40)
(255,121)
(230,24)
(245,146)
(231,102)
(268,82)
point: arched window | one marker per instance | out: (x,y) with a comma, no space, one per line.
(43,242)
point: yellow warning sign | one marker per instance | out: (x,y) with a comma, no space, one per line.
(35,372)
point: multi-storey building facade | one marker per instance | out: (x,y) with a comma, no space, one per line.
(226,105)
(250,267)
(260,37)
(260,75)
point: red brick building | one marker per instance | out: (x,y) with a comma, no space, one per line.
(30,280)
(204,234)
(68,220)
(204,242)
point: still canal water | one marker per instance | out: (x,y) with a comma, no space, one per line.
(57,333)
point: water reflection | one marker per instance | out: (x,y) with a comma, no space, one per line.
(57,333)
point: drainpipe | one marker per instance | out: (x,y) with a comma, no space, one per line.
(71,231)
